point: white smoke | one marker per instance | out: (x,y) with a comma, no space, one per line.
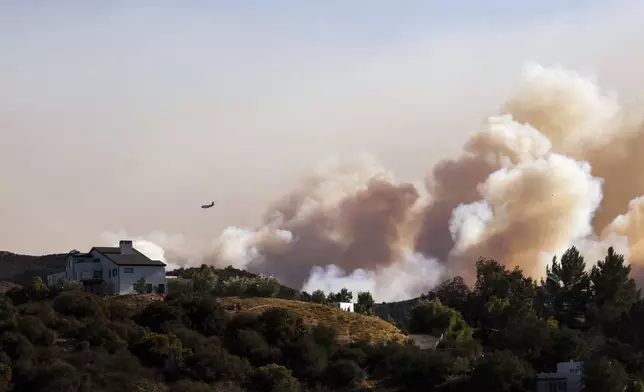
(402,280)
(236,247)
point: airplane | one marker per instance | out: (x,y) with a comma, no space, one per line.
(208,205)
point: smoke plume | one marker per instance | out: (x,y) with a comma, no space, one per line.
(556,166)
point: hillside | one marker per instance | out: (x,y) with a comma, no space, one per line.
(69,340)
(20,269)
(350,327)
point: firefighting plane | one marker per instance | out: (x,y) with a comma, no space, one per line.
(208,205)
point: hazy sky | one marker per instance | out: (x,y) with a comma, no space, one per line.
(127,116)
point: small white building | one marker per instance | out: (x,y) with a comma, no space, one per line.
(567,378)
(112,270)
(348,306)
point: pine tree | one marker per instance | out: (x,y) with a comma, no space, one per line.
(614,292)
(567,287)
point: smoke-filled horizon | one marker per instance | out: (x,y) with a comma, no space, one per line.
(112,121)
(555,167)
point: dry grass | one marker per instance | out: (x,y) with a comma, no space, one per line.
(349,326)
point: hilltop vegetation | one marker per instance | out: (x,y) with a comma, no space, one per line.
(232,281)
(496,335)
(348,326)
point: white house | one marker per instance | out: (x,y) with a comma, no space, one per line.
(348,306)
(567,378)
(113,270)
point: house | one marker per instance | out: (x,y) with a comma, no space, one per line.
(112,270)
(567,378)
(348,306)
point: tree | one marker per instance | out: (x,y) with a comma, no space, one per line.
(159,350)
(567,288)
(513,338)
(565,345)
(318,297)
(204,279)
(263,286)
(614,292)
(158,315)
(494,280)
(432,317)
(179,286)
(139,286)
(417,370)
(365,303)
(343,295)
(80,304)
(500,294)
(204,314)
(38,289)
(502,371)
(235,286)
(274,378)
(453,293)
(303,296)
(35,291)
(604,375)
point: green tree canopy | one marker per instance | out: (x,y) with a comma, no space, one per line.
(614,291)
(432,317)
(365,303)
(567,288)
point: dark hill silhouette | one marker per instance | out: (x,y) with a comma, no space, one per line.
(20,269)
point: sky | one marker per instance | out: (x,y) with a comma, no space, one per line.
(127,116)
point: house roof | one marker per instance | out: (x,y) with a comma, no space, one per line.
(136,258)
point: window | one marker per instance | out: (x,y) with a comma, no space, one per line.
(115,272)
(148,288)
(109,273)
(161,289)
(97,260)
(128,270)
(562,386)
(552,387)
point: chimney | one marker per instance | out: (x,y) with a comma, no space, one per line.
(126,247)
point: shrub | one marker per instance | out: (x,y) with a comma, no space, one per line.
(80,305)
(274,377)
